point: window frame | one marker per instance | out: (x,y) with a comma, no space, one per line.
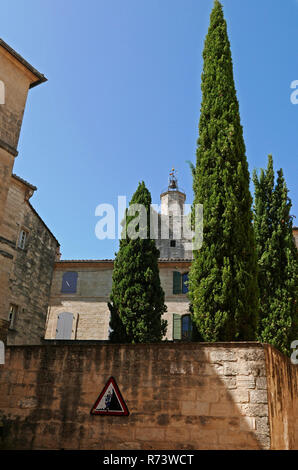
(186,315)
(179,283)
(178,328)
(12,315)
(22,241)
(75,279)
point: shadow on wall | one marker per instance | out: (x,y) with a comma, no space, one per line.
(180,396)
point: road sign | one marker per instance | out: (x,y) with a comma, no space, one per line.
(110,401)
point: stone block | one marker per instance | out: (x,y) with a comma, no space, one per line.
(258,396)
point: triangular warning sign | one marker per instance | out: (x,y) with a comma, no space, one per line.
(110,401)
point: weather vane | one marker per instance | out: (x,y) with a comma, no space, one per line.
(173,181)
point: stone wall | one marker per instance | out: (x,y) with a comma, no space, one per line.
(283,400)
(30,280)
(3,330)
(16,79)
(16,85)
(29,274)
(180,396)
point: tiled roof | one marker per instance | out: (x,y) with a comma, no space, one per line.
(40,77)
(34,188)
(85,260)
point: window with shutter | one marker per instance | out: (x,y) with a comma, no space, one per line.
(185,283)
(186,328)
(64,326)
(176,327)
(69,282)
(177,285)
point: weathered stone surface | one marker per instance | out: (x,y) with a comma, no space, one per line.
(282,383)
(15,79)
(32,269)
(258,396)
(261,383)
(51,389)
(246,381)
(89,303)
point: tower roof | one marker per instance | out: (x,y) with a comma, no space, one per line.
(173,184)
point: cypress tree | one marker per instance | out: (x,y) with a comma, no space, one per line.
(137,298)
(223,277)
(277,260)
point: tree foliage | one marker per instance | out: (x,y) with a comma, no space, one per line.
(223,277)
(277,260)
(137,298)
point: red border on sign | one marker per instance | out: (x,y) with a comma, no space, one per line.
(125,411)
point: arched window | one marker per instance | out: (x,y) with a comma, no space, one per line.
(64,326)
(69,282)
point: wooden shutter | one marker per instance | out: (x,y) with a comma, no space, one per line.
(69,282)
(177,283)
(176,326)
(64,326)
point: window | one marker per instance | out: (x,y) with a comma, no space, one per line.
(186,327)
(184,283)
(64,325)
(22,239)
(172,243)
(13,310)
(182,327)
(180,283)
(69,282)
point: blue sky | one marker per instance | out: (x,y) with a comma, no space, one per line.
(122,100)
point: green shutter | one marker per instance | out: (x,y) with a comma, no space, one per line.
(177,283)
(176,326)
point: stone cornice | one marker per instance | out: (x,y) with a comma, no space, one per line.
(8,148)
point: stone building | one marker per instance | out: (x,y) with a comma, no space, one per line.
(80,290)
(27,247)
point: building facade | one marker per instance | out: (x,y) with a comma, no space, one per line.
(78,308)
(27,247)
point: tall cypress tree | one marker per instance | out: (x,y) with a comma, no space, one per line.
(277,260)
(223,277)
(137,298)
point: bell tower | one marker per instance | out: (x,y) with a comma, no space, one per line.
(172,239)
(17,76)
